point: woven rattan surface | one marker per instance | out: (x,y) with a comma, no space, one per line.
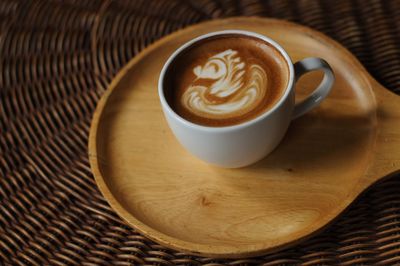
(57,58)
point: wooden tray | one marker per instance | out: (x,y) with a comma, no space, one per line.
(326,160)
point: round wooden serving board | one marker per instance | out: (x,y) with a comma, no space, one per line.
(327,158)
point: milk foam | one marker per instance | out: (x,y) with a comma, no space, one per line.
(225,87)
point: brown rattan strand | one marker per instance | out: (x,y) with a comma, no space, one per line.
(56,59)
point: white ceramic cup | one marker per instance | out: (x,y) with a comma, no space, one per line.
(243,144)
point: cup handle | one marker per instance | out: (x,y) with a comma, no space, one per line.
(306,65)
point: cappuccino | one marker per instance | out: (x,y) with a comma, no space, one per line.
(226,80)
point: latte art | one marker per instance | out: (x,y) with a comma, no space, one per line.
(225,80)
(225,87)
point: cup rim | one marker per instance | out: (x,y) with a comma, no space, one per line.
(242,125)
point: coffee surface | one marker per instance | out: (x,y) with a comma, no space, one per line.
(226,80)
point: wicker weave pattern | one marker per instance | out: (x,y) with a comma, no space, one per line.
(57,58)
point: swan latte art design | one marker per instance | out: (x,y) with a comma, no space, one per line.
(226,80)
(229,94)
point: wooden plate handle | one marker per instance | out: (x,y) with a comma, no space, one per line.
(387,149)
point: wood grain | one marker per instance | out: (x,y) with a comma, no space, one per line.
(181,202)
